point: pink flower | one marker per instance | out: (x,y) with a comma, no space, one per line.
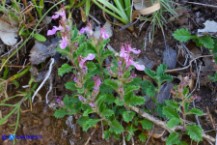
(92,104)
(125,54)
(81,98)
(83,60)
(58,14)
(63,42)
(87,30)
(97,83)
(54,30)
(104,34)
(133,50)
(139,67)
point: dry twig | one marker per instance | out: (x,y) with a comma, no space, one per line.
(163,124)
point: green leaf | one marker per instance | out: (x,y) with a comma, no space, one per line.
(116,127)
(206,41)
(119,102)
(172,104)
(39,37)
(213,78)
(111,83)
(142,137)
(161,69)
(87,7)
(146,124)
(87,111)
(195,132)
(170,112)
(130,88)
(182,35)
(196,111)
(130,132)
(105,98)
(133,100)
(70,86)
(150,73)
(72,103)
(173,139)
(107,112)
(173,122)
(65,68)
(106,54)
(128,116)
(86,123)
(148,88)
(60,113)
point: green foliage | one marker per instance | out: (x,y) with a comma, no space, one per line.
(133,100)
(121,9)
(128,116)
(195,132)
(39,37)
(116,127)
(173,139)
(182,35)
(173,122)
(105,92)
(148,88)
(170,112)
(213,78)
(87,122)
(39,7)
(60,113)
(159,76)
(65,68)
(196,111)
(146,124)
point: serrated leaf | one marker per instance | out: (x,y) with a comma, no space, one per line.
(196,111)
(142,137)
(172,104)
(87,112)
(130,88)
(107,112)
(111,83)
(65,68)
(39,37)
(182,35)
(106,134)
(146,124)
(206,41)
(130,132)
(170,112)
(195,132)
(70,86)
(173,122)
(119,102)
(106,54)
(128,116)
(116,127)
(148,88)
(173,139)
(86,122)
(133,100)
(150,73)
(60,113)
(161,69)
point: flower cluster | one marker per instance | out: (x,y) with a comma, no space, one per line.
(88,30)
(63,28)
(82,61)
(125,54)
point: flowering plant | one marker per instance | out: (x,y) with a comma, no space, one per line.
(104,86)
